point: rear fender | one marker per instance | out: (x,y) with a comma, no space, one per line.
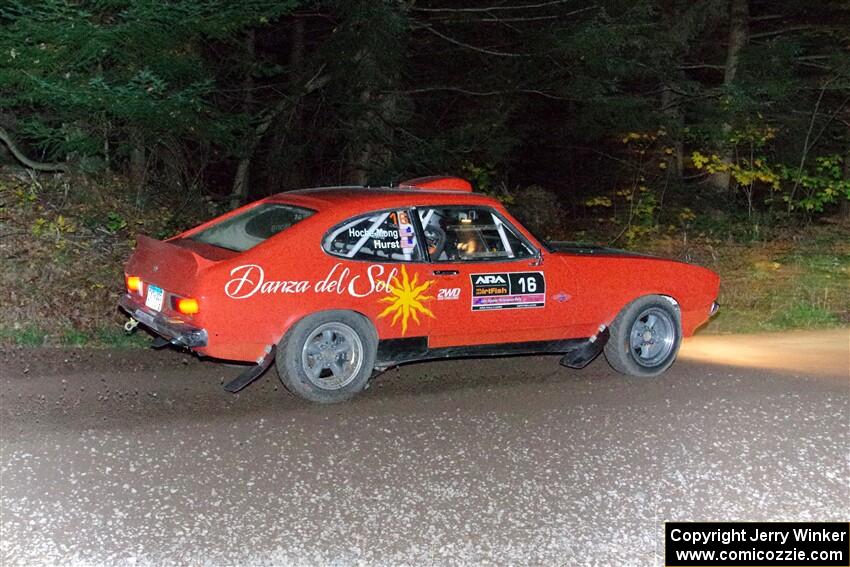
(295,319)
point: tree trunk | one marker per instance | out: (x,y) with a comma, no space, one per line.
(240,190)
(674,113)
(362,151)
(739,31)
(845,202)
(285,157)
(138,166)
(295,175)
(372,143)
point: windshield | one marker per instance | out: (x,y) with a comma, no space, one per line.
(246,230)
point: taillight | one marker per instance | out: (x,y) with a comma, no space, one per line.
(134,284)
(187,305)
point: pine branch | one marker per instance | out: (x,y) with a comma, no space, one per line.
(702,66)
(772,33)
(472,47)
(494,8)
(460,90)
(496,19)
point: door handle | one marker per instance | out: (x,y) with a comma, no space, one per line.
(445,272)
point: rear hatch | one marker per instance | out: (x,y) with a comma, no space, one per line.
(175,267)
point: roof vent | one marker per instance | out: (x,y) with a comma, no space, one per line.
(438,183)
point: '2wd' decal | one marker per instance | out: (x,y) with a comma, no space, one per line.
(448,293)
(508,290)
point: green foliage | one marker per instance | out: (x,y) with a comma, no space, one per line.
(806,191)
(86,74)
(74,338)
(819,188)
(802,315)
(27,336)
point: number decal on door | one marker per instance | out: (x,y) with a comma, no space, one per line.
(527,284)
(508,290)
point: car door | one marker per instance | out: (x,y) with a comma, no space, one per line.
(376,267)
(490,284)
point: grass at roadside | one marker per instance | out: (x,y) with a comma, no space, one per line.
(795,280)
(104,337)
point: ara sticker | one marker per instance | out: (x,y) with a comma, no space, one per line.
(508,290)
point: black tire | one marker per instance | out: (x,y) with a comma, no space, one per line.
(645,337)
(301,358)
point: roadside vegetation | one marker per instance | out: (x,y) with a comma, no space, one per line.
(716,132)
(62,261)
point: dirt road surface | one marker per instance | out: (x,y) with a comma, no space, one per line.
(140,458)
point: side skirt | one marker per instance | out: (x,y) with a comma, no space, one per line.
(392,352)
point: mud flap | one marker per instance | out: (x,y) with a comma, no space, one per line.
(252,373)
(586,352)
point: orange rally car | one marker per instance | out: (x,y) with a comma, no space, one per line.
(335,283)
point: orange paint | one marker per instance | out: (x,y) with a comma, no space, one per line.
(251,299)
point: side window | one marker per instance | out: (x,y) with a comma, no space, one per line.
(387,236)
(463,234)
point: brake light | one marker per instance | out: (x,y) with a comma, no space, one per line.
(134,283)
(187,305)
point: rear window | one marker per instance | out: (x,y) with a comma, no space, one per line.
(246,230)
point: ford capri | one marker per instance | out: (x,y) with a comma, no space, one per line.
(333,285)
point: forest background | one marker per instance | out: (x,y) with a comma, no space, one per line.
(713,131)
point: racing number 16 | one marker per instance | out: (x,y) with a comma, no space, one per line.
(527,284)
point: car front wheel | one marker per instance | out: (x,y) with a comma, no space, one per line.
(328,357)
(645,337)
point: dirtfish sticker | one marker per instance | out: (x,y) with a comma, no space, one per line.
(406,298)
(508,290)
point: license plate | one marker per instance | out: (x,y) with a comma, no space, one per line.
(154,298)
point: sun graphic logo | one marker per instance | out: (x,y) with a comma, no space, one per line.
(406,299)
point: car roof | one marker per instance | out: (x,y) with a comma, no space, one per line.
(356,198)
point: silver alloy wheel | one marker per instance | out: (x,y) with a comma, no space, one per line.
(332,356)
(652,337)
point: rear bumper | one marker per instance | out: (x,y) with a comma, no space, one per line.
(177,331)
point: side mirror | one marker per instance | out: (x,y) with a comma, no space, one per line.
(538,258)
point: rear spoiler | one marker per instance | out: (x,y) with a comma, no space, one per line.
(152,255)
(166,264)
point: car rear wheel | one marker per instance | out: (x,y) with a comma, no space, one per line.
(328,357)
(645,337)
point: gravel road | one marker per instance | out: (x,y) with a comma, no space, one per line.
(140,458)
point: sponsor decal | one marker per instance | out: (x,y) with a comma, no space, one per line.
(489,279)
(448,293)
(509,290)
(406,298)
(250,279)
(561,297)
(398,236)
